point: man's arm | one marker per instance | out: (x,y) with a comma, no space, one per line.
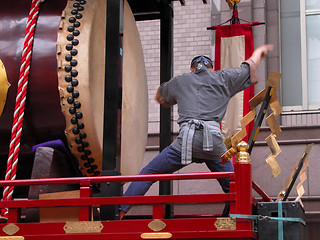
(160,99)
(254,60)
(261,52)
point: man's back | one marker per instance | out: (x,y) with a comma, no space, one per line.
(204,94)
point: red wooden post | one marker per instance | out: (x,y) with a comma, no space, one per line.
(14,214)
(85,191)
(243,186)
(232,190)
(158,211)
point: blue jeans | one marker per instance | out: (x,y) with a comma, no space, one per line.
(169,161)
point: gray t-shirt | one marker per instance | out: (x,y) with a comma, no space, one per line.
(204,95)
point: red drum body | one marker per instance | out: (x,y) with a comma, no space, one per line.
(43,119)
(66,82)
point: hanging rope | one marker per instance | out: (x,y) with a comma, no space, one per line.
(20,102)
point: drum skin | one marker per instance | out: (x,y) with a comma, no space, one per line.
(50,98)
(134,98)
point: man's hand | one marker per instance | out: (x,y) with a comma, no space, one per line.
(265,49)
(261,52)
(160,99)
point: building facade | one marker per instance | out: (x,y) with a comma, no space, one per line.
(290,25)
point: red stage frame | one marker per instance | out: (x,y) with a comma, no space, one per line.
(186,227)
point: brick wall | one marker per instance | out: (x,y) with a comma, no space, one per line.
(190,39)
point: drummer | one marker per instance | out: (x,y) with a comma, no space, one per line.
(202,96)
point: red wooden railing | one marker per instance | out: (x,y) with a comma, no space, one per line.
(240,198)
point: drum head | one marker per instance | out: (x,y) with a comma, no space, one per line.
(81,77)
(134,98)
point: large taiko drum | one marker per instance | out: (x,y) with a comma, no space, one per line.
(66,84)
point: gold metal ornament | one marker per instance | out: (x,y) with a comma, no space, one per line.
(235,139)
(234,1)
(157,225)
(83,227)
(257,99)
(4,86)
(228,155)
(273,165)
(238,137)
(248,118)
(302,176)
(226,223)
(273,144)
(273,124)
(231,3)
(231,143)
(12,238)
(154,235)
(300,191)
(281,195)
(227,142)
(275,105)
(242,155)
(11,229)
(273,79)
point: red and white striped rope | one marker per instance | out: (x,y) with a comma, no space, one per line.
(20,102)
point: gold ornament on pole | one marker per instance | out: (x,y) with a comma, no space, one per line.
(231,143)
(231,2)
(234,1)
(242,154)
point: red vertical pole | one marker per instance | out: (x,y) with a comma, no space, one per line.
(158,211)
(243,186)
(14,215)
(232,190)
(85,191)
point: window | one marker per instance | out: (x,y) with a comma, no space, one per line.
(300,54)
